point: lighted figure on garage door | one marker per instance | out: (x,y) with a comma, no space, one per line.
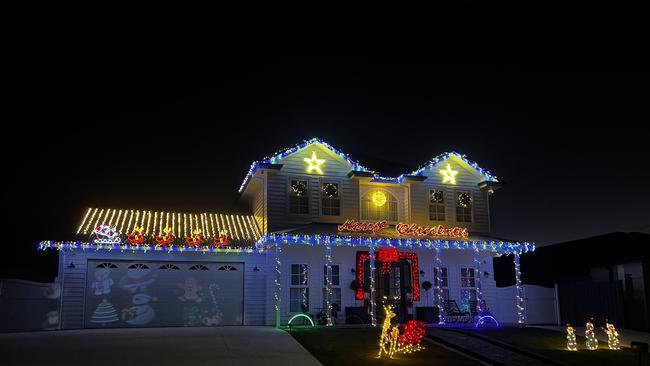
(141,312)
(103,281)
(137,278)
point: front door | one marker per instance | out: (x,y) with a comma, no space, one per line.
(392,289)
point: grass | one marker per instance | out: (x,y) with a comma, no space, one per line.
(359,346)
(552,344)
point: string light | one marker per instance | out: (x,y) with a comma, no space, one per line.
(439,291)
(448,175)
(328,284)
(124,247)
(520,305)
(277,281)
(477,278)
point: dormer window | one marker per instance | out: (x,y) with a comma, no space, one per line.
(463,207)
(298,196)
(379,205)
(330,201)
(436,205)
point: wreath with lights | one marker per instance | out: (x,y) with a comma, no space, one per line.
(299,188)
(435,196)
(464,199)
(330,190)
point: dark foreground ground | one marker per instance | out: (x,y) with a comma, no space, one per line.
(155,346)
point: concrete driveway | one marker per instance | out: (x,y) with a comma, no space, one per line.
(155,346)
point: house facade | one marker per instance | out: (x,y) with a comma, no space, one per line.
(325,237)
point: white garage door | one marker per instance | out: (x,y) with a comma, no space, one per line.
(158,294)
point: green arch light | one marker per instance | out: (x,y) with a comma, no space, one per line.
(301,316)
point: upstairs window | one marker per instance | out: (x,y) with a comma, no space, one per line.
(298,196)
(330,201)
(379,205)
(436,205)
(463,207)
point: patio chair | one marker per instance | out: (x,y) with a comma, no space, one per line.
(454,314)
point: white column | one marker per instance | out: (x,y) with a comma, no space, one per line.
(520,303)
(438,289)
(278,287)
(373,304)
(477,278)
(328,283)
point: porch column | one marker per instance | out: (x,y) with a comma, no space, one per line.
(328,283)
(477,278)
(373,304)
(278,286)
(520,304)
(438,288)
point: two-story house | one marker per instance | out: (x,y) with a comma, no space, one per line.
(324,235)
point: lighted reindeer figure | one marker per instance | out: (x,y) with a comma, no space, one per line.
(592,341)
(613,340)
(571,344)
(391,342)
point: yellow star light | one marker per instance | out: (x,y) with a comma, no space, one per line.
(314,163)
(448,175)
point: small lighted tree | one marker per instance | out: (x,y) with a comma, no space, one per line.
(591,342)
(571,344)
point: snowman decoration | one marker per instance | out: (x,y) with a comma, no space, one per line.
(141,312)
(592,341)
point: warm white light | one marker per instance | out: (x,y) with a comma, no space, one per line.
(448,175)
(314,163)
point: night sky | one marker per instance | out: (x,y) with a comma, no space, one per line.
(127,113)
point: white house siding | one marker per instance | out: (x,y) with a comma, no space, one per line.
(74,279)
(314,257)
(335,170)
(466,180)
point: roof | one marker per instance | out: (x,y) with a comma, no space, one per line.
(321,233)
(358,167)
(242,229)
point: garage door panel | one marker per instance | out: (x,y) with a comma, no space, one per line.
(150,294)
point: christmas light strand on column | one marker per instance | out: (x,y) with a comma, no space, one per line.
(373,303)
(520,305)
(439,291)
(477,278)
(328,284)
(278,286)
(571,344)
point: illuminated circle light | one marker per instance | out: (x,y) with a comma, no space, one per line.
(379,198)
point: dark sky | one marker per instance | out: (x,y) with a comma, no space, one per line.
(169,114)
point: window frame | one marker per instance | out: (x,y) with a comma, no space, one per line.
(304,287)
(291,196)
(437,205)
(459,207)
(323,198)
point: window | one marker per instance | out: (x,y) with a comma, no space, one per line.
(336,289)
(463,207)
(444,283)
(299,292)
(138,266)
(169,266)
(379,205)
(330,201)
(106,265)
(227,267)
(336,277)
(436,205)
(468,287)
(298,197)
(198,267)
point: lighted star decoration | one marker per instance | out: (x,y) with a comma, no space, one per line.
(314,163)
(379,198)
(448,175)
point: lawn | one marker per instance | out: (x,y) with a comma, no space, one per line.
(552,344)
(359,346)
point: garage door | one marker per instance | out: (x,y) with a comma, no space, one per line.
(156,294)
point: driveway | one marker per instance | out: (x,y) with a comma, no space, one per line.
(155,346)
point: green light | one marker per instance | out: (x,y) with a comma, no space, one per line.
(303,316)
